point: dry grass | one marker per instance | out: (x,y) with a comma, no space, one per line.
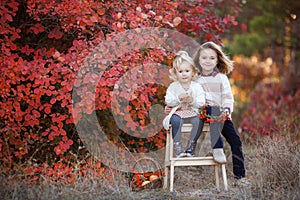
(273,168)
(84,188)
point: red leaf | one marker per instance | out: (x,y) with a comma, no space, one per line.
(54,128)
(64,138)
(47,110)
(69,87)
(55,33)
(70,142)
(27,117)
(37,28)
(45,133)
(51,136)
(63,132)
(58,150)
(8,17)
(244,27)
(36,113)
(148,6)
(53,100)
(27,50)
(101,11)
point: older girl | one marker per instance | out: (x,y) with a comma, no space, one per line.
(213,65)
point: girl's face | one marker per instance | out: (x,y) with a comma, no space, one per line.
(208,60)
(184,72)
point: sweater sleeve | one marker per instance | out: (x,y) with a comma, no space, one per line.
(171,98)
(227,96)
(198,95)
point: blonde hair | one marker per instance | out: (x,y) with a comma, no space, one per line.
(224,65)
(181,57)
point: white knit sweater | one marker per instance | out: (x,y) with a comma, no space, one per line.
(172,98)
(218,90)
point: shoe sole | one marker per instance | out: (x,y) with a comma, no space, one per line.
(181,155)
(220,162)
(189,155)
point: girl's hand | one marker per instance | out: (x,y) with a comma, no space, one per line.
(225,113)
(185,98)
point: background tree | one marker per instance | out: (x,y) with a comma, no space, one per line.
(273,32)
(266,74)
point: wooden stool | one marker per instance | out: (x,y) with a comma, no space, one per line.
(172,162)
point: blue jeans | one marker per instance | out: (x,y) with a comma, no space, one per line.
(234,140)
(177,122)
(231,136)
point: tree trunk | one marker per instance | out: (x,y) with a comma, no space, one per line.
(292,79)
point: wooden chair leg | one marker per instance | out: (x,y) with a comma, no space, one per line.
(217,177)
(167,161)
(171,177)
(166,177)
(224,177)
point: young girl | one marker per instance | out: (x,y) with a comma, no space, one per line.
(185,96)
(213,65)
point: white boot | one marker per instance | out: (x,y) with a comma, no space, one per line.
(219,155)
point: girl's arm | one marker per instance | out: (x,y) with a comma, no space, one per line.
(171,98)
(199,96)
(227,97)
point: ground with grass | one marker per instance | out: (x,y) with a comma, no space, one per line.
(273,170)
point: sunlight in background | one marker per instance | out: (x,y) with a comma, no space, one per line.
(248,72)
(293,16)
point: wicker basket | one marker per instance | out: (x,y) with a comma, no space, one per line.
(144,168)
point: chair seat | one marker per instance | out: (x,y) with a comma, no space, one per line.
(189,161)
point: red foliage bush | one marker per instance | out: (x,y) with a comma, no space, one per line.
(271,113)
(43,45)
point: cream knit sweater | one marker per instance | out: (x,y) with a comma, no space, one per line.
(218,90)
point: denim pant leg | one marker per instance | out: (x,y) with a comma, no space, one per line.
(197,127)
(234,140)
(176,123)
(215,128)
(215,135)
